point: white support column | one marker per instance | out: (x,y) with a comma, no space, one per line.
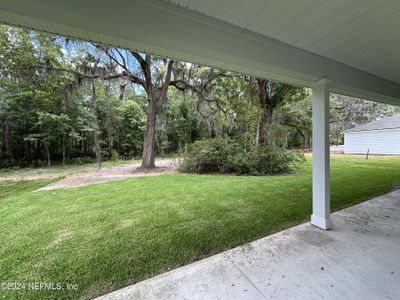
(320,145)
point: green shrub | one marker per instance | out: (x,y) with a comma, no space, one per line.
(209,156)
(225,155)
(114,156)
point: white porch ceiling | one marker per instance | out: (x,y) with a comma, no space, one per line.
(364,34)
(356,43)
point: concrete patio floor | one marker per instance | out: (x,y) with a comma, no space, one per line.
(358,259)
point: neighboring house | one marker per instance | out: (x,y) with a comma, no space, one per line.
(379,137)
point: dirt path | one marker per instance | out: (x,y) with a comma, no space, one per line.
(164,166)
(31,177)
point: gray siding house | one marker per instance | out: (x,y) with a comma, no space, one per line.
(379,137)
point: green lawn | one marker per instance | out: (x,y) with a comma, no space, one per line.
(103,237)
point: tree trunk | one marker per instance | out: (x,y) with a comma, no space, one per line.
(64,150)
(109,124)
(148,155)
(97,148)
(28,151)
(25,132)
(266,112)
(48,155)
(265,123)
(110,141)
(7,139)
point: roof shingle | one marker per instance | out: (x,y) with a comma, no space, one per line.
(386,123)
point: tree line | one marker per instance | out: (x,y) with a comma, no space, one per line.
(69,101)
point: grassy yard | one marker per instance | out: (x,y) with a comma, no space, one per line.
(103,237)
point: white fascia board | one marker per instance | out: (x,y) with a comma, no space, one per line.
(165,29)
(373,130)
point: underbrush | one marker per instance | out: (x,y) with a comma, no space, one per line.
(226,155)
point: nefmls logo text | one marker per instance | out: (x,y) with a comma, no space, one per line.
(51,286)
(44,286)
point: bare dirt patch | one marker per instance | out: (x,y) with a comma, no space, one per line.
(164,166)
(30,177)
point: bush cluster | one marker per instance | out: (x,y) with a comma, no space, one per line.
(226,155)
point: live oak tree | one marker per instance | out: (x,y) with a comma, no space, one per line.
(270,95)
(153,76)
(207,86)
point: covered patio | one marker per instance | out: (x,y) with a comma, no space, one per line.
(348,47)
(356,260)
